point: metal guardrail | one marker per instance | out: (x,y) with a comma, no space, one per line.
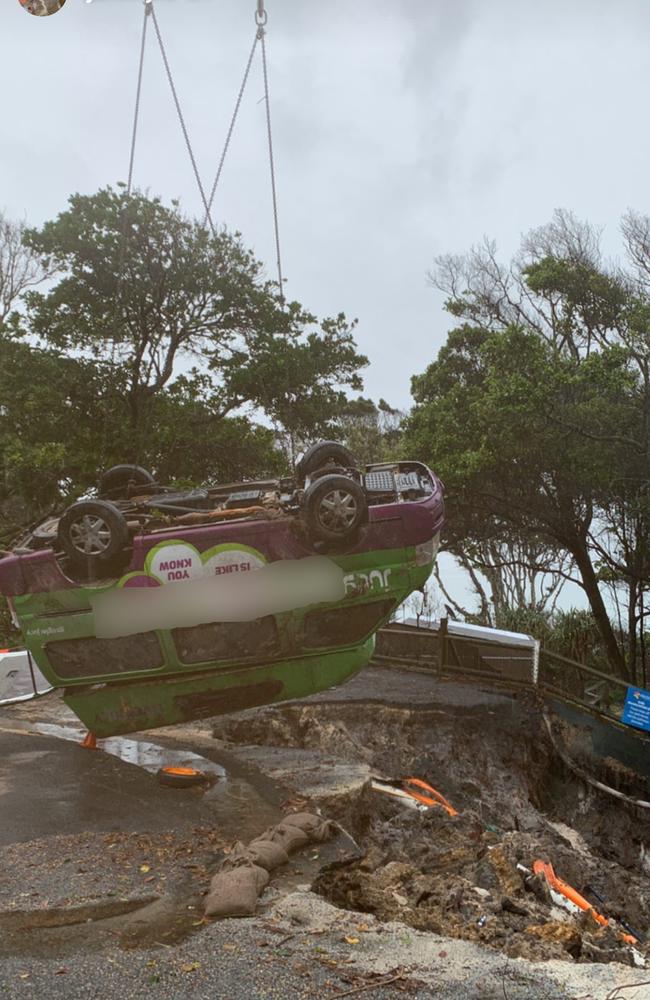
(512,667)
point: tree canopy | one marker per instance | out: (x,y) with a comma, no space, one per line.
(537,415)
(130,333)
(155,341)
(153,291)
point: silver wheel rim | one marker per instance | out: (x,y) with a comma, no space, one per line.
(338,510)
(90,535)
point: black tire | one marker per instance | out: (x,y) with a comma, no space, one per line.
(92,532)
(168,777)
(327,470)
(116,481)
(323,453)
(334,508)
(45,533)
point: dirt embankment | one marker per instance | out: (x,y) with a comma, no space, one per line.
(518,802)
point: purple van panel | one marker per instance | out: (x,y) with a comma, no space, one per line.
(391,526)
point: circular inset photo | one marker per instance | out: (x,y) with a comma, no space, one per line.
(41,7)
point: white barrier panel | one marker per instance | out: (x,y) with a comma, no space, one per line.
(20,680)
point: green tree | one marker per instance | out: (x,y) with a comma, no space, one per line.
(158,343)
(61,423)
(195,445)
(536,414)
(372,431)
(152,293)
(49,434)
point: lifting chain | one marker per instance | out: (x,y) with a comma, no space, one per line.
(235,113)
(136,115)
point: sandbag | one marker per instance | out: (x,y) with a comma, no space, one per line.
(234,893)
(267,854)
(238,853)
(291,838)
(316,828)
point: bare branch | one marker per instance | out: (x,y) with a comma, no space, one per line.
(454,604)
(615,994)
(20,267)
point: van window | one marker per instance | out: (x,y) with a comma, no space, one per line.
(227,641)
(90,657)
(343,626)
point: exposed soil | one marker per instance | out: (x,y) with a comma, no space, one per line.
(517,801)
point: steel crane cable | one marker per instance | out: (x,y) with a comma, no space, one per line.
(260,20)
(148,9)
(262,13)
(181,119)
(261,17)
(233,120)
(119,297)
(136,116)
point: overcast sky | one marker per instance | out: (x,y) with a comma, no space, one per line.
(403,129)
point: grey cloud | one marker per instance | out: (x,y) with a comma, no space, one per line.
(402,130)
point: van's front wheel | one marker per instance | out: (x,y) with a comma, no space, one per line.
(334,508)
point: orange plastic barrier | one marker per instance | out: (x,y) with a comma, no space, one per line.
(566,890)
(432,798)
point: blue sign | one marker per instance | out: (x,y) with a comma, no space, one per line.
(637,708)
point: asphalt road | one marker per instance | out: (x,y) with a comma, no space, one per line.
(51,786)
(405,688)
(247,960)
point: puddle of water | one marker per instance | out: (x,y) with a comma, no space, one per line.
(147,755)
(243,808)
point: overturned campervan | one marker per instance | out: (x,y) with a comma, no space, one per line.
(151,606)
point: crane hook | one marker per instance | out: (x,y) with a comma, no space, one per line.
(261,16)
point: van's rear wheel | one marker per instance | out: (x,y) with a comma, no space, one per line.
(92,532)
